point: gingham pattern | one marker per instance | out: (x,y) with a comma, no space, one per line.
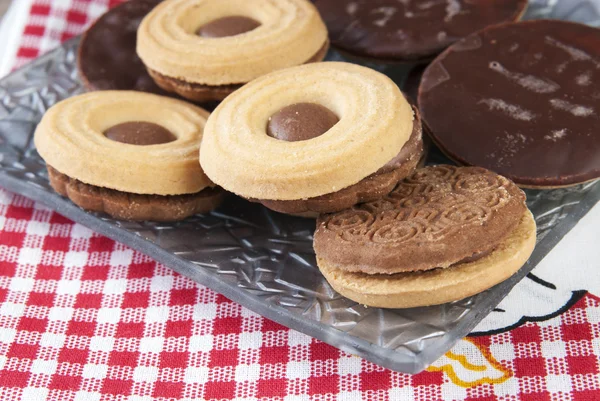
(83,318)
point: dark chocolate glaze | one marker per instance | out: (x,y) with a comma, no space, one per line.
(408,30)
(520,99)
(410,88)
(140,133)
(227,26)
(300,122)
(107,59)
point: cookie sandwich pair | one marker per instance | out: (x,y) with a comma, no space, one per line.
(129,154)
(443,234)
(313,139)
(201,50)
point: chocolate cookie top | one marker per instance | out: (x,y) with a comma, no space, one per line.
(407,30)
(524,102)
(107,58)
(438,217)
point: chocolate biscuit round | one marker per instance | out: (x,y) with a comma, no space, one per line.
(438,217)
(107,59)
(519,99)
(410,30)
(135,207)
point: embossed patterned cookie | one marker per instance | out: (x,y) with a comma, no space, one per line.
(443,234)
(129,154)
(312,139)
(527,106)
(410,30)
(206,49)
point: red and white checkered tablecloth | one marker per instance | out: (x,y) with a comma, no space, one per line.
(83,318)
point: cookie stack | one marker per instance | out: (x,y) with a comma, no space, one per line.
(337,141)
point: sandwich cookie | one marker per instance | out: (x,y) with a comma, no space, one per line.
(443,234)
(409,30)
(107,59)
(313,139)
(205,49)
(524,102)
(129,154)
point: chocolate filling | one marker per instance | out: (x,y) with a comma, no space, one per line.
(227,26)
(300,122)
(139,133)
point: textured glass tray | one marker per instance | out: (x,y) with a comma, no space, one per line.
(261,259)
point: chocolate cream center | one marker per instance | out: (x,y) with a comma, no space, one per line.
(139,133)
(227,26)
(300,122)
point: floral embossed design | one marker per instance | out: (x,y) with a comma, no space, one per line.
(433,203)
(397,232)
(442,173)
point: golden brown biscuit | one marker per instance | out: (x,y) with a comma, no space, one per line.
(131,143)
(204,49)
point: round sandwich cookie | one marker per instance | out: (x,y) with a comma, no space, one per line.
(107,59)
(409,30)
(312,139)
(445,233)
(129,154)
(524,102)
(205,49)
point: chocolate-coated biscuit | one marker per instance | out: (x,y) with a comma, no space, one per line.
(106,58)
(410,30)
(524,102)
(135,207)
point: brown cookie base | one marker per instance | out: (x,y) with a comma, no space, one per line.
(204,93)
(135,207)
(369,189)
(106,58)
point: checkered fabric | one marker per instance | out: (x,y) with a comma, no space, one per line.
(83,318)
